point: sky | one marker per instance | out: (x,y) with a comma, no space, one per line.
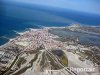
(89,6)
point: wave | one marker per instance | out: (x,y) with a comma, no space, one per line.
(39,27)
(4,37)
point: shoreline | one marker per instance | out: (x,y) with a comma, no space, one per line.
(40,40)
(24,32)
(53,27)
(20,33)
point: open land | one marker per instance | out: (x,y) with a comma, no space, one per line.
(40,52)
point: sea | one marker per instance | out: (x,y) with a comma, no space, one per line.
(16,18)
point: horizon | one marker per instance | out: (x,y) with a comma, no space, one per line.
(41,37)
(87,6)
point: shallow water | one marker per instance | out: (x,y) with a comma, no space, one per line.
(84,38)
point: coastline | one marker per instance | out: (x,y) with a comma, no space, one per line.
(63,27)
(40,40)
(24,32)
